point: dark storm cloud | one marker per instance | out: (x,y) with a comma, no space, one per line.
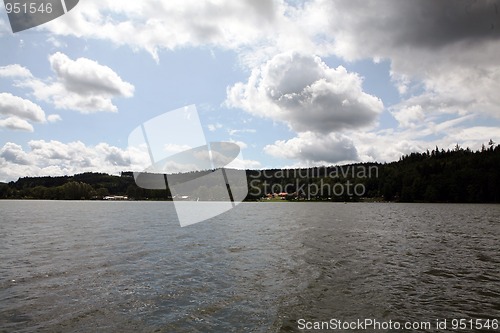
(427,24)
(431,23)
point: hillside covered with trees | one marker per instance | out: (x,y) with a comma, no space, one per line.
(459,175)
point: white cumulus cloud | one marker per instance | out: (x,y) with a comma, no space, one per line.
(408,117)
(315,147)
(20,107)
(15,71)
(82,85)
(17,113)
(56,158)
(88,77)
(305,93)
(52,118)
(154,25)
(15,123)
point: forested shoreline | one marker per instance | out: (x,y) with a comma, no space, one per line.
(458,175)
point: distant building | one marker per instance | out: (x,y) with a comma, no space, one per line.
(115,197)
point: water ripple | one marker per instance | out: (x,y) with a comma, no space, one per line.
(129,267)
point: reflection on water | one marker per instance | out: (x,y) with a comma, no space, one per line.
(128,266)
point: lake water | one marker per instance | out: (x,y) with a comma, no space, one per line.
(129,266)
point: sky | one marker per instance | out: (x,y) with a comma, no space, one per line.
(293,83)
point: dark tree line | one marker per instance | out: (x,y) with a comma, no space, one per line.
(83,186)
(458,175)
